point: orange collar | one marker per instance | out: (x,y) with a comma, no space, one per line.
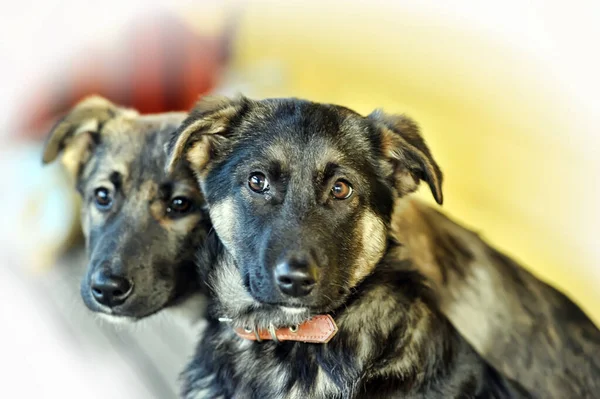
(317,330)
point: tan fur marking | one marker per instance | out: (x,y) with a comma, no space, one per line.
(220,111)
(86,221)
(86,116)
(94,101)
(181,225)
(212,103)
(373,246)
(387,141)
(277,151)
(182,141)
(409,228)
(77,152)
(158,210)
(121,126)
(224,222)
(406,183)
(198,155)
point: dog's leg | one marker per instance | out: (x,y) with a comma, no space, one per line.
(526,329)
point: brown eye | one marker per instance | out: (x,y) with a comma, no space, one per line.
(258,182)
(103,199)
(179,205)
(341,190)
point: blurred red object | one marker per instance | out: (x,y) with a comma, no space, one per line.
(160,65)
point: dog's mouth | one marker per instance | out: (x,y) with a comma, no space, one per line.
(287,307)
(314,304)
(294,309)
(128,316)
(125,315)
(284,310)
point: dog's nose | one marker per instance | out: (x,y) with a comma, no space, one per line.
(110,290)
(296,276)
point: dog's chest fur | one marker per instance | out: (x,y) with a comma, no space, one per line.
(390,344)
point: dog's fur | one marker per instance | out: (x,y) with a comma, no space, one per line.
(391,340)
(526,329)
(138,238)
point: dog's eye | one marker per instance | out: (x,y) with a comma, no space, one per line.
(103,199)
(341,190)
(179,205)
(258,182)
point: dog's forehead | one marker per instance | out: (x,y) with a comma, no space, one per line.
(305,133)
(146,133)
(135,148)
(303,120)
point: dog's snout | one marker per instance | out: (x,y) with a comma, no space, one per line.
(110,290)
(296,276)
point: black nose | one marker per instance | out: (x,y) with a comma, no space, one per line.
(296,276)
(110,290)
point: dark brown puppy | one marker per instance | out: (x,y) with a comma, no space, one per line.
(301,196)
(526,329)
(141,225)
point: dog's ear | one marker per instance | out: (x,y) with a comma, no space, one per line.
(203,134)
(403,146)
(77,133)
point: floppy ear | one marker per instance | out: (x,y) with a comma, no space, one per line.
(403,145)
(76,134)
(203,134)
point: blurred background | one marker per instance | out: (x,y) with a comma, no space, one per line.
(506,94)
